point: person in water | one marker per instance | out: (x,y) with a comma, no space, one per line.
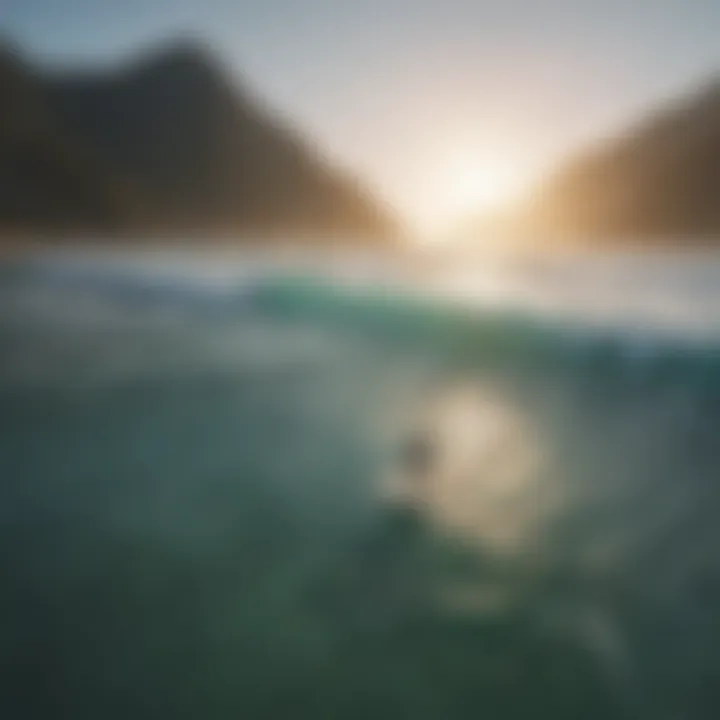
(418,460)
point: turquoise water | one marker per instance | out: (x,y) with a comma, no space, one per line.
(196,516)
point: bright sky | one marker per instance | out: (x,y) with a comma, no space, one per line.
(445,106)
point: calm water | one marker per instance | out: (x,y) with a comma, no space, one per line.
(204,513)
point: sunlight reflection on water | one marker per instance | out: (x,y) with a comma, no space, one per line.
(485,481)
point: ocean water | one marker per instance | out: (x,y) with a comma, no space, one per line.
(208,508)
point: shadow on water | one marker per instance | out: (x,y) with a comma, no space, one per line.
(210,540)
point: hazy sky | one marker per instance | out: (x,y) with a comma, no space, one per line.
(419,94)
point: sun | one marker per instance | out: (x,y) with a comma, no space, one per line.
(468,186)
(484,188)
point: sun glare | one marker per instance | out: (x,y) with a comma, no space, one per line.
(470,186)
(484,188)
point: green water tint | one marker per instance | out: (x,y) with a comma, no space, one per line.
(208,543)
(475,338)
(164,564)
(405,319)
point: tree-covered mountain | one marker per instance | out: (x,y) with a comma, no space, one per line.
(167,142)
(659,180)
(47,181)
(656,183)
